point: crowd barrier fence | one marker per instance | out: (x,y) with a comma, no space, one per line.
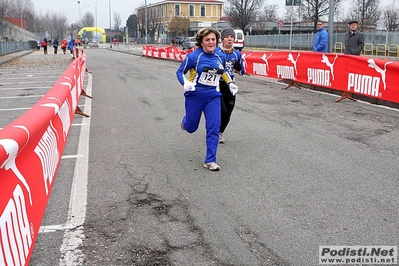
(30,152)
(360,75)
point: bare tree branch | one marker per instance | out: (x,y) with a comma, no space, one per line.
(367,12)
(117,21)
(390,17)
(241,13)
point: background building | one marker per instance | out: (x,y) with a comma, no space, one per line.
(160,15)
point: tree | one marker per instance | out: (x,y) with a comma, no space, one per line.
(178,26)
(117,21)
(366,11)
(260,25)
(41,24)
(297,12)
(20,9)
(4,6)
(131,24)
(315,10)
(270,12)
(390,17)
(274,31)
(242,13)
(87,21)
(57,26)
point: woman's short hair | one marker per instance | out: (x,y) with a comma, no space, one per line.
(204,32)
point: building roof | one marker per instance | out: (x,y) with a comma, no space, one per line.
(220,2)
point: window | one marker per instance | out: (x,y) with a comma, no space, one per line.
(214,11)
(177,10)
(191,10)
(203,11)
(166,11)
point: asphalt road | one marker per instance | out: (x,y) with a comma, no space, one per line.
(297,171)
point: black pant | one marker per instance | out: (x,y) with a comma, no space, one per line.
(227,102)
(45,49)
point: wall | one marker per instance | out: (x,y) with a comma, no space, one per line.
(12,32)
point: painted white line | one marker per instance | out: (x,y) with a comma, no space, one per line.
(28,82)
(71,253)
(17,97)
(27,108)
(54,228)
(15,109)
(71,156)
(28,77)
(25,88)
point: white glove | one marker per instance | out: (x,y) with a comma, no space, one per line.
(233,88)
(189,86)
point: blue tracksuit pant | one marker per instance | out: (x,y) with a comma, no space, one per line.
(207,101)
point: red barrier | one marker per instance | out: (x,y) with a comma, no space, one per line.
(169,52)
(30,151)
(371,77)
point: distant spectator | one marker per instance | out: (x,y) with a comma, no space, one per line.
(55,46)
(320,43)
(176,41)
(354,39)
(64,45)
(44,45)
(71,44)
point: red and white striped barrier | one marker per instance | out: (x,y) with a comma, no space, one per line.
(370,77)
(30,151)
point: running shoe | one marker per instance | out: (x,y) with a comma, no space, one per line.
(212,166)
(221,139)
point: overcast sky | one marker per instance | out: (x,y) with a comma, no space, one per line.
(70,8)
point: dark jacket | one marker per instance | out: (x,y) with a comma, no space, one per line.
(354,42)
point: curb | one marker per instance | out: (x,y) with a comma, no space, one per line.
(12,56)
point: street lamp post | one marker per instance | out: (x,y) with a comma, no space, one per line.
(82,9)
(96,21)
(331,25)
(79,16)
(79,8)
(110,42)
(22,27)
(145,10)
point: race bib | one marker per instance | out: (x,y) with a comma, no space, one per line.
(209,77)
(230,66)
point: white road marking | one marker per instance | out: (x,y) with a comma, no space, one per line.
(26,88)
(71,156)
(71,253)
(54,228)
(27,108)
(17,97)
(15,109)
